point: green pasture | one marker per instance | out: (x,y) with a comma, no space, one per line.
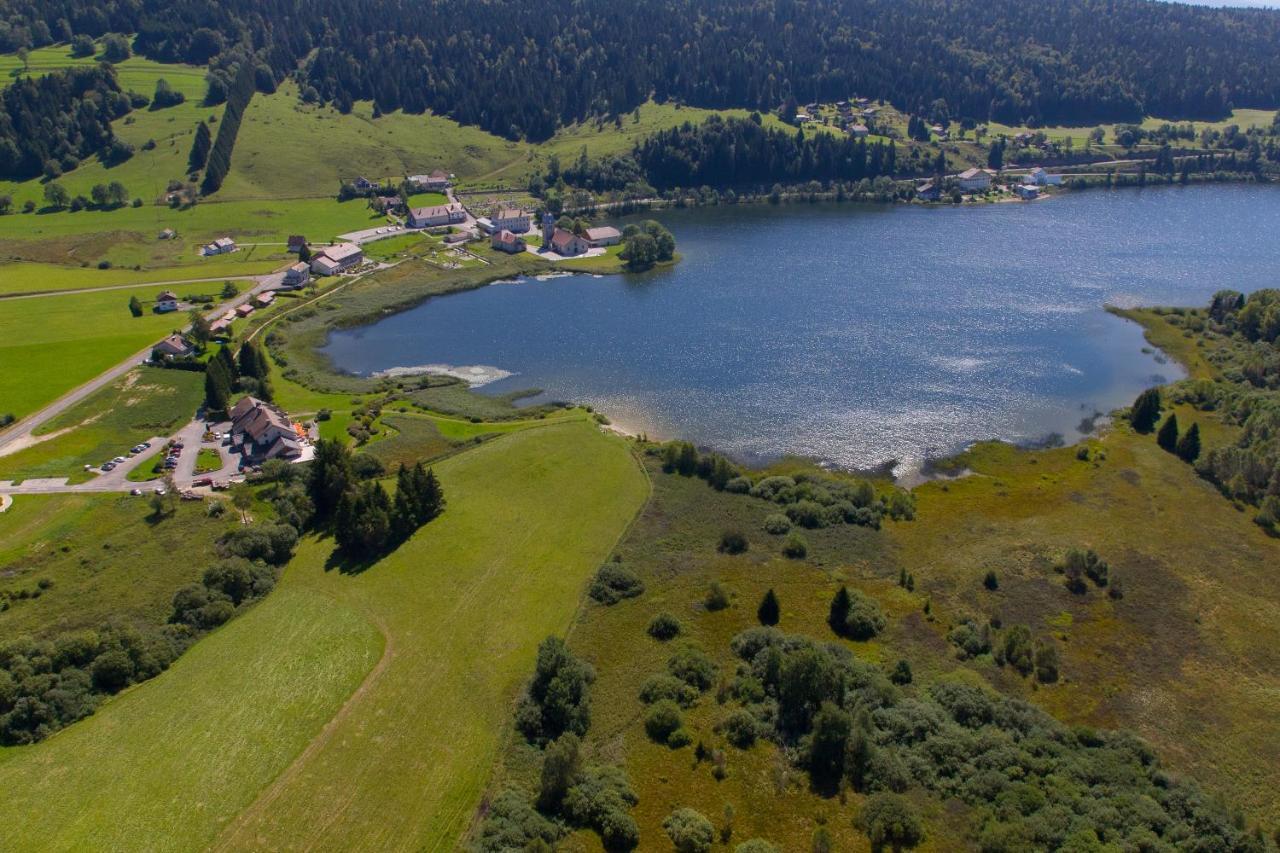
(21,278)
(50,345)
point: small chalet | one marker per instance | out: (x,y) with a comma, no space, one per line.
(511,219)
(265,298)
(220,326)
(221,246)
(505,241)
(928,191)
(386,203)
(363,184)
(974,180)
(244,310)
(1027,192)
(443,214)
(457,238)
(296,242)
(166,302)
(332,260)
(263,431)
(297,275)
(168,234)
(604,236)
(566,244)
(174,346)
(859,131)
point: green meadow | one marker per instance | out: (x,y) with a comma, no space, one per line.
(384,695)
(52,344)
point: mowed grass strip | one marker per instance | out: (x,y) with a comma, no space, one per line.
(463,606)
(165,765)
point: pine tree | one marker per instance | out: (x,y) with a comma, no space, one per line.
(769,611)
(1189,444)
(252,361)
(1146,410)
(1167,437)
(228,362)
(217,388)
(135,306)
(200,146)
(839,614)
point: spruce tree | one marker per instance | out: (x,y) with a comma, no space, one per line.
(839,614)
(1167,437)
(200,146)
(228,362)
(217,388)
(1189,444)
(1145,411)
(769,611)
(135,306)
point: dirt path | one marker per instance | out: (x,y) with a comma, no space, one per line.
(134,286)
(234,835)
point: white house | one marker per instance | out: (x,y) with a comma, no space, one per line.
(174,346)
(297,275)
(332,260)
(974,180)
(166,302)
(443,214)
(511,219)
(1027,192)
(263,431)
(859,130)
(221,246)
(604,236)
(1041,178)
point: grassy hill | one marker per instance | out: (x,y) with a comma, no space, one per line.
(347,710)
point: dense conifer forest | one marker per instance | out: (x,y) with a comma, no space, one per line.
(50,123)
(521,70)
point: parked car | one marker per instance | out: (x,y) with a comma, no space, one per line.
(160,490)
(107,466)
(118,460)
(203,481)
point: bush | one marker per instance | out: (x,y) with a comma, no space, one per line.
(795,548)
(666,686)
(741,729)
(863,618)
(615,582)
(732,542)
(776,524)
(717,597)
(990,581)
(557,699)
(664,627)
(890,821)
(689,831)
(901,673)
(691,665)
(756,845)
(808,514)
(663,719)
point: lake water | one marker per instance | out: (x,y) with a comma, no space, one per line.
(859,336)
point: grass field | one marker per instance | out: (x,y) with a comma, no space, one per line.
(300,757)
(144,403)
(36,277)
(1244,119)
(52,344)
(101,558)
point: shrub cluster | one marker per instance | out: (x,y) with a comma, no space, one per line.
(557,700)
(855,615)
(1032,782)
(614,582)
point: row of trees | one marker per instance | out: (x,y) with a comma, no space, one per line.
(104,196)
(218,161)
(1055,62)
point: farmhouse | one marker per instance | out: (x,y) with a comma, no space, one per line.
(437,181)
(166,302)
(221,246)
(566,244)
(263,431)
(174,346)
(974,180)
(1041,178)
(443,214)
(297,275)
(604,236)
(505,241)
(295,243)
(511,219)
(928,191)
(332,260)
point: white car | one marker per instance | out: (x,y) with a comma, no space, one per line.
(135,492)
(118,460)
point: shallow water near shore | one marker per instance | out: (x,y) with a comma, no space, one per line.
(856,335)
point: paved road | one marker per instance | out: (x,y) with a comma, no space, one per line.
(25,427)
(135,286)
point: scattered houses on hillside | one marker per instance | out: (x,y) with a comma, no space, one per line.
(332,260)
(505,241)
(262,431)
(166,302)
(441,214)
(174,346)
(221,246)
(296,276)
(605,235)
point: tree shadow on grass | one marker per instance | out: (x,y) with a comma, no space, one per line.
(350,564)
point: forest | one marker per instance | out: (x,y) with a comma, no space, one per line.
(522,70)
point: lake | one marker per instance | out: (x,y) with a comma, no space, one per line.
(859,335)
